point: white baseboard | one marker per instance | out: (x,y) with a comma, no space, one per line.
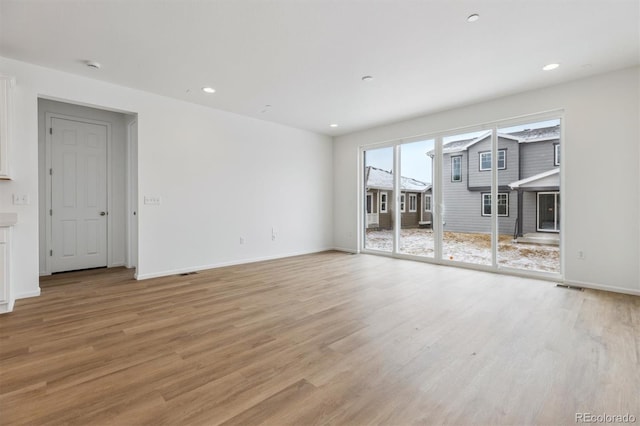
(594,286)
(345,250)
(6,307)
(223,264)
(28,294)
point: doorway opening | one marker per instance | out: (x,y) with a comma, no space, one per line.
(87,187)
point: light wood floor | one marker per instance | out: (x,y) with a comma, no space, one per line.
(330,338)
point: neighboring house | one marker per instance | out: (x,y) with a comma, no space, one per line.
(528,182)
(415,200)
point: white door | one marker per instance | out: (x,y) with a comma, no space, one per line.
(78,195)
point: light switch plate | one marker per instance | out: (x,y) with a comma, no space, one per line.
(20,199)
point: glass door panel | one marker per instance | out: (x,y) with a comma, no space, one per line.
(416,198)
(466,198)
(378,214)
(529,237)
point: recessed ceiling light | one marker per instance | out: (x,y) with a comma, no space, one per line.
(367,78)
(333,125)
(473,18)
(550,67)
(93,64)
(209,90)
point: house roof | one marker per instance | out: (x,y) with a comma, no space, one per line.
(522,136)
(382,179)
(548,179)
(538,135)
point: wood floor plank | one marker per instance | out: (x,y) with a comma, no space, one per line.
(328,338)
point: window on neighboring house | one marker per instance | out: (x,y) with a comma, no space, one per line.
(456,169)
(383,202)
(402,199)
(503,204)
(556,150)
(413,202)
(427,203)
(485,160)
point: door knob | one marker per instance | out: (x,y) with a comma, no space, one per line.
(103,213)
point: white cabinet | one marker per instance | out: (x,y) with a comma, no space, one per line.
(6,302)
(6,112)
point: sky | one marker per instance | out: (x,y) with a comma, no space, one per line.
(414,161)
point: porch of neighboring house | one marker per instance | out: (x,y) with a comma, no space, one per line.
(538,220)
(548,238)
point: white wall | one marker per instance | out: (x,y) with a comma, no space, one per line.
(117,174)
(601,202)
(220,176)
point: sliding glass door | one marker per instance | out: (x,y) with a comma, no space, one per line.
(466,198)
(379,212)
(416,199)
(530,230)
(488,198)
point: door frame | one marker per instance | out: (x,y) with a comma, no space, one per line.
(132,211)
(49,116)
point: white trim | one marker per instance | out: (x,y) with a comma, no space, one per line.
(7,83)
(131,221)
(594,286)
(504,164)
(403,201)
(224,264)
(413,197)
(396,219)
(483,194)
(460,158)
(519,183)
(28,294)
(386,202)
(495,196)
(424,202)
(437,206)
(345,250)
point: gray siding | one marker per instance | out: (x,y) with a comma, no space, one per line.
(510,174)
(529,212)
(458,201)
(537,157)
(462,207)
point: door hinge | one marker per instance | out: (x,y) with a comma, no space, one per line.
(50,172)
(50,212)
(50,130)
(50,252)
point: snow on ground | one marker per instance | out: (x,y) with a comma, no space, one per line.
(470,248)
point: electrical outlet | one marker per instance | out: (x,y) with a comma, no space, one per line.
(274,234)
(242,240)
(580,255)
(152,200)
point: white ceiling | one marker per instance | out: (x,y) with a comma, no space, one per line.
(306,58)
